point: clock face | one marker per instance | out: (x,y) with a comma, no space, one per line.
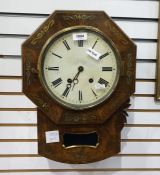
(79,67)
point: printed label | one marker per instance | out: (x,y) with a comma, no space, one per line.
(99,86)
(52,136)
(79,36)
(93,53)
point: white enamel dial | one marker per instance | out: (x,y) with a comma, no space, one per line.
(79,68)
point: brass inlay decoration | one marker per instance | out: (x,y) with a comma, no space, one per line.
(80,154)
(78,118)
(79,17)
(129,69)
(42,32)
(42,100)
(116,32)
(29,70)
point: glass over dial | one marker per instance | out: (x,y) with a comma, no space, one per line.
(79,67)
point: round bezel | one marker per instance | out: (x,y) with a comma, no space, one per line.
(56,36)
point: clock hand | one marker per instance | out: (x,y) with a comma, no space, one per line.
(66,91)
(75,79)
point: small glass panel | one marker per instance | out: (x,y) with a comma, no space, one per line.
(71,140)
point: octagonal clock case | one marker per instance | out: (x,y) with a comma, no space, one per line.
(79,69)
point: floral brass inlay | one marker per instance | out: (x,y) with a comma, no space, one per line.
(117,33)
(28,70)
(80,154)
(42,101)
(129,69)
(78,118)
(79,17)
(42,32)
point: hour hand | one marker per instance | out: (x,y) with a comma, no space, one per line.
(67,90)
(75,81)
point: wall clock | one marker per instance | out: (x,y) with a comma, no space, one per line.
(72,72)
(79,69)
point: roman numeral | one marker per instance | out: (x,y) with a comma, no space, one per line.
(80,96)
(94,44)
(94,93)
(53,68)
(104,55)
(57,82)
(102,81)
(66,45)
(107,69)
(66,91)
(80,43)
(56,55)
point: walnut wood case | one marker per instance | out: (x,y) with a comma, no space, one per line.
(106,119)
